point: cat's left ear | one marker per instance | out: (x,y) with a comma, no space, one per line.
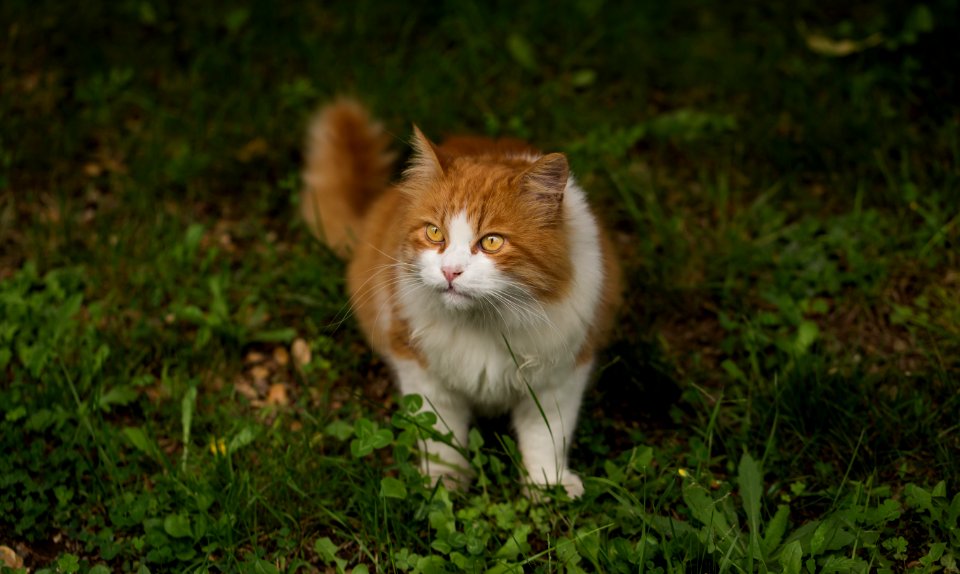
(546,179)
(427,162)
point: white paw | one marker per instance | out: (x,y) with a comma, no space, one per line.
(570,482)
(452,481)
(455,476)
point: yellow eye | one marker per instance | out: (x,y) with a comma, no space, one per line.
(491,243)
(434,234)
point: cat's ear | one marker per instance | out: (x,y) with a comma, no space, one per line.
(546,180)
(427,161)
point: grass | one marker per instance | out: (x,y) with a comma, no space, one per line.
(783,184)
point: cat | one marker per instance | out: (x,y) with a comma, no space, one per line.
(481,277)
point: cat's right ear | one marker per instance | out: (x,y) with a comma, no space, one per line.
(545,181)
(427,161)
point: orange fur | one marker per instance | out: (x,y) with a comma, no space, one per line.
(347,166)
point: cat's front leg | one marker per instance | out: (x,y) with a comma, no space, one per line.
(545,422)
(439,460)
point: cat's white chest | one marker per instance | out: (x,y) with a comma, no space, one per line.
(488,368)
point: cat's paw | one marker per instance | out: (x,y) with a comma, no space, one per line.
(569,480)
(453,476)
(452,481)
(572,484)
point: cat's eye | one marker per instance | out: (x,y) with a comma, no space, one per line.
(434,234)
(491,243)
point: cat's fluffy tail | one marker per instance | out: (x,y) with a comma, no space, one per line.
(347,165)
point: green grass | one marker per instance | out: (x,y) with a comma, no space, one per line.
(783,391)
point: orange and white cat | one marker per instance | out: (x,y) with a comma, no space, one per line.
(481,277)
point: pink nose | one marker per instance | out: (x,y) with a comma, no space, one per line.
(451,273)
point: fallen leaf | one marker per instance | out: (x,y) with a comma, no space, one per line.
(246,389)
(277,395)
(9,558)
(254,357)
(301,352)
(838,48)
(260,373)
(281,356)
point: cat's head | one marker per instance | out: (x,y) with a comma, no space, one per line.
(486,233)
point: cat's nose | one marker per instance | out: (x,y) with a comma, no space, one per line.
(451,273)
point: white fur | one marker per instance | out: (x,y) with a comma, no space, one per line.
(453,415)
(493,354)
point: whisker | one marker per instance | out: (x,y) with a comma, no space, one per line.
(348,307)
(412,282)
(387,255)
(525,303)
(365,292)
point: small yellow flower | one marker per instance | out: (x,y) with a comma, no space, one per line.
(218,446)
(683,472)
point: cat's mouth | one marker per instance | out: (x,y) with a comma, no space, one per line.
(454,297)
(451,290)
